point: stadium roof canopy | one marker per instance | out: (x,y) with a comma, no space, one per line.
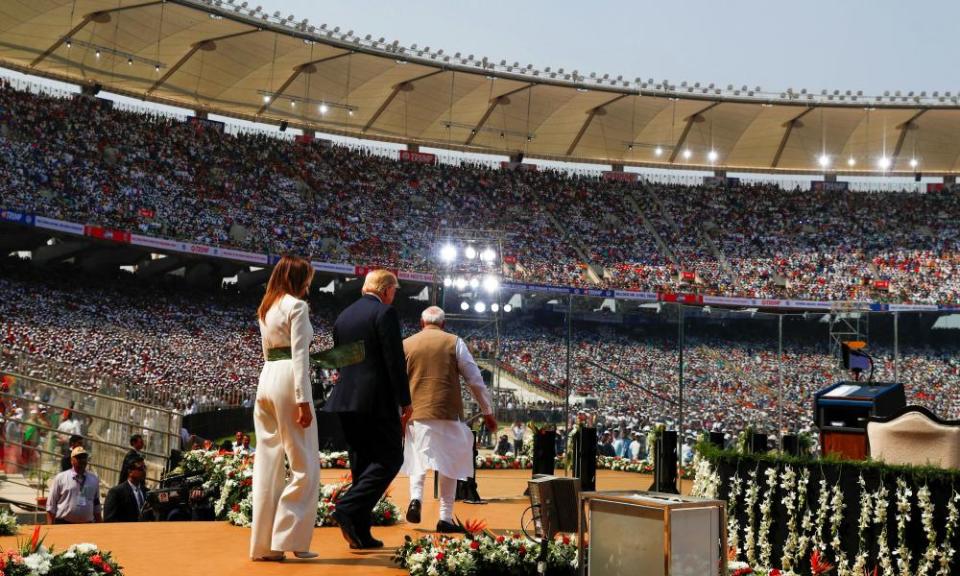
(226,58)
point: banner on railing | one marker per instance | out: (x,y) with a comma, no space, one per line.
(418,157)
(621,176)
(824,186)
(17,217)
(101,233)
(518,166)
(58,225)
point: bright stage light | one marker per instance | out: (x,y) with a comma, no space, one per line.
(266,99)
(824,160)
(507,307)
(712,156)
(480,307)
(448,253)
(495,307)
(447,282)
(490,284)
(687,154)
(324,108)
(883,163)
(464,306)
(474,283)
(470,252)
(658,152)
(913,162)
(488,255)
(461,283)
(851,162)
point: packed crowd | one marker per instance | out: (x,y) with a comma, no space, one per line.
(80,160)
(173,347)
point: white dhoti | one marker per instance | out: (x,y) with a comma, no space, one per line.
(445,446)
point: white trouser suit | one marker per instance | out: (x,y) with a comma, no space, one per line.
(284,513)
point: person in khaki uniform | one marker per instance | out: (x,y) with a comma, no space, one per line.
(437,438)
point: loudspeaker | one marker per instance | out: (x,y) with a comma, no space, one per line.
(585,458)
(665,463)
(555,502)
(544,452)
(717,439)
(757,443)
(791,444)
(283,125)
(917,177)
(519,157)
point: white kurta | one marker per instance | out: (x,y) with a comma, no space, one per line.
(284,512)
(446,445)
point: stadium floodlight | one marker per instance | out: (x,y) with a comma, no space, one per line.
(712,156)
(658,151)
(507,307)
(491,284)
(447,282)
(824,160)
(464,305)
(448,253)
(480,307)
(883,162)
(687,154)
(324,108)
(488,255)
(266,99)
(494,307)
(851,162)
(461,283)
(98,53)
(470,252)
(913,162)
(474,283)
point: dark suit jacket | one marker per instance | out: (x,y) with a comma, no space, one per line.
(121,504)
(377,386)
(127,461)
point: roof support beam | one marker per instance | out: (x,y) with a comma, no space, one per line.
(297,71)
(686,130)
(789,125)
(405,85)
(86,20)
(197,46)
(493,105)
(904,128)
(596,110)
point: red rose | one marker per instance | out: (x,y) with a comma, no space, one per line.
(523,549)
(440,556)
(418,549)
(474,544)
(96,559)
(500,539)
(107,569)
(387,514)
(235,507)
(566,540)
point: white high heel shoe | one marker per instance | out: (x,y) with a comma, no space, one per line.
(305,555)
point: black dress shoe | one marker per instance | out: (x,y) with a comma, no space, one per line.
(368,543)
(413,511)
(445,527)
(348,529)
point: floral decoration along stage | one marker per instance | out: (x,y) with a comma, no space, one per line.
(510,461)
(32,558)
(231,476)
(480,551)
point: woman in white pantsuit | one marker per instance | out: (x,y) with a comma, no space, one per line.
(284,513)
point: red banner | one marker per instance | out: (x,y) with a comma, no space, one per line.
(621,176)
(107,234)
(688,276)
(518,166)
(147,213)
(881,284)
(935,186)
(419,157)
(304,139)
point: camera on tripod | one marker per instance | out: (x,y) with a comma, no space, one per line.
(179,497)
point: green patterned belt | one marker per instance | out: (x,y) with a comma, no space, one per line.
(333,358)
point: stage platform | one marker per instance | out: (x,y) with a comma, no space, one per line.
(205,548)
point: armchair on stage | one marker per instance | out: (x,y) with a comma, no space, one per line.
(841,412)
(916,436)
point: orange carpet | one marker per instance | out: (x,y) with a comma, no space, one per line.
(213,548)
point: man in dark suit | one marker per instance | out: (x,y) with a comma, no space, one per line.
(136,451)
(372,401)
(125,500)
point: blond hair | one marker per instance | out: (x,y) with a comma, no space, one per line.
(377,281)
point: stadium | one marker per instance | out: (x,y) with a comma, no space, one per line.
(638,267)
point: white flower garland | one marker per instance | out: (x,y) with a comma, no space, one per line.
(880,517)
(790,499)
(863,524)
(837,506)
(823,501)
(749,534)
(766,518)
(706,481)
(929,558)
(806,524)
(904,512)
(733,524)
(947,552)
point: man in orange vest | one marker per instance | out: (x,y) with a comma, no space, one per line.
(437,438)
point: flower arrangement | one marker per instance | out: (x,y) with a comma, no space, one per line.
(482,552)
(335,460)
(385,513)
(8,523)
(506,462)
(32,558)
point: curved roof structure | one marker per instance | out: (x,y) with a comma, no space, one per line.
(224,58)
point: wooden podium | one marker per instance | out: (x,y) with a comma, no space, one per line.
(841,411)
